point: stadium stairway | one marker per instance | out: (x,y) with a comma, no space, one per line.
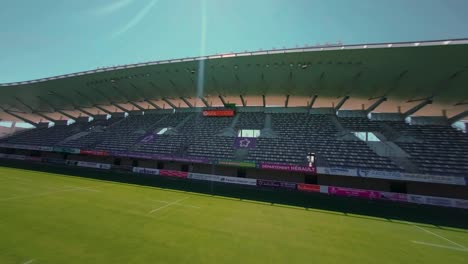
(74,137)
(267,131)
(337,124)
(390,133)
(230,131)
(394,153)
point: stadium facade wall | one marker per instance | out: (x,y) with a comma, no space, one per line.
(384,185)
(354,172)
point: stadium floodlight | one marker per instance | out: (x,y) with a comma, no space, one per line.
(311,158)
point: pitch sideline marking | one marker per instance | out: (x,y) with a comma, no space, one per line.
(29,261)
(41,194)
(440,246)
(83,188)
(169,204)
(439,236)
(183,205)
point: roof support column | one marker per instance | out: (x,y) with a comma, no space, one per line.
(119,107)
(203,99)
(376,104)
(44,116)
(264,100)
(417,108)
(242,100)
(84,111)
(458,117)
(152,104)
(65,114)
(169,103)
(286,101)
(137,106)
(110,101)
(19,117)
(27,106)
(312,101)
(72,103)
(222,99)
(128,99)
(341,103)
(103,109)
(186,102)
(55,109)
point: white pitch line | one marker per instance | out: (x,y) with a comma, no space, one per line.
(83,188)
(440,246)
(169,204)
(40,194)
(439,236)
(29,261)
(183,205)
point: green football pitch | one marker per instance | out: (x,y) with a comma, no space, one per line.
(56,218)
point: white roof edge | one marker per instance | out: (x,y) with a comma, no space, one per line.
(442,42)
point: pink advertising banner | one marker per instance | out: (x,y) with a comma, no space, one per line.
(348,192)
(171,173)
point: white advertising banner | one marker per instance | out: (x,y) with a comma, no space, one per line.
(90,164)
(437,201)
(392,175)
(225,179)
(337,171)
(433,178)
(146,170)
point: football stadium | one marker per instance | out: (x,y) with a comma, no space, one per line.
(329,153)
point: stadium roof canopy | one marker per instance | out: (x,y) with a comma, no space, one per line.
(340,76)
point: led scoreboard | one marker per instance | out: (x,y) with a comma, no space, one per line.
(219,112)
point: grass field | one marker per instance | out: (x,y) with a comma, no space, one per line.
(53,218)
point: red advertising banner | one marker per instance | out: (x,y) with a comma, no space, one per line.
(348,192)
(94,152)
(218,112)
(308,187)
(171,173)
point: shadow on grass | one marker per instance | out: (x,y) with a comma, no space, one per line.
(437,217)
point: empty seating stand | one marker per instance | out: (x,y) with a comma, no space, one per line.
(436,149)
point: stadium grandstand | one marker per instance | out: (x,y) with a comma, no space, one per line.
(388,111)
(383,121)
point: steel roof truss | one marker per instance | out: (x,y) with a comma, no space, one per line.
(186,102)
(242,100)
(18,116)
(203,99)
(222,99)
(341,103)
(169,103)
(458,117)
(103,109)
(376,104)
(30,110)
(312,101)
(417,107)
(152,104)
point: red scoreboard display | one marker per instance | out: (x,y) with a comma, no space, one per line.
(222,112)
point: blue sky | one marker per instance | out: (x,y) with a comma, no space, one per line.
(50,37)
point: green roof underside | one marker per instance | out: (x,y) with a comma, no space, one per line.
(400,73)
